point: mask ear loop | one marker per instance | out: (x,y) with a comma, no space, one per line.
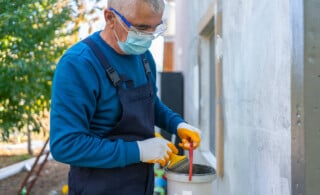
(115,34)
(121,24)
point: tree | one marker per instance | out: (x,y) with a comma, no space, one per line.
(32,37)
(85,12)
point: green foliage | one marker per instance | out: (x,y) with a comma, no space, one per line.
(32,35)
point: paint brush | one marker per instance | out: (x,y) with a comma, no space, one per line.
(178,163)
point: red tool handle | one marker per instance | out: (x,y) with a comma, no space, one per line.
(191,160)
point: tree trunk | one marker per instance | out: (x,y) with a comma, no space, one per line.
(29,142)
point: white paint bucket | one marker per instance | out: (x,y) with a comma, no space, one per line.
(202,181)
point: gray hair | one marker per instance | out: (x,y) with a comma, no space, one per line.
(156,5)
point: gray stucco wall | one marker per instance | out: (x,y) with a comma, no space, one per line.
(312,96)
(257,53)
(256,87)
(270,92)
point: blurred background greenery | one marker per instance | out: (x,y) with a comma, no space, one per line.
(33,35)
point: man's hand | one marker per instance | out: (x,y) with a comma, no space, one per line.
(173,148)
(187,134)
(156,150)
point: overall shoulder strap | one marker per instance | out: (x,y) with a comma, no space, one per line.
(146,65)
(111,72)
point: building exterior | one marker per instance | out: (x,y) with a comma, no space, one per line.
(251,84)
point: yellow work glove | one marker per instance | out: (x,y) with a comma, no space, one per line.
(173,150)
(187,134)
(155,150)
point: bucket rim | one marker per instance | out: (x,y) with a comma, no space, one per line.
(196,177)
(203,178)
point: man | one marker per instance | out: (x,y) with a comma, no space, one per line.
(104,105)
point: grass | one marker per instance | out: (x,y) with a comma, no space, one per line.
(6,160)
(10,155)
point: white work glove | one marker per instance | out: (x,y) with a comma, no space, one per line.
(188,134)
(154,150)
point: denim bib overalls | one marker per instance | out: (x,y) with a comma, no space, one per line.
(136,123)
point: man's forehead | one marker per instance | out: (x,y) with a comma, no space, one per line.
(143,17)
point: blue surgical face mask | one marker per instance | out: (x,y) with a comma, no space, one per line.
(135,44)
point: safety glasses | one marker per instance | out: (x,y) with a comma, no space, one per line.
(160,29)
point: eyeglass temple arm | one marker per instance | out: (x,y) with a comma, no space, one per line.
(121,16)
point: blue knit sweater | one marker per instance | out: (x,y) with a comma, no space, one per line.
(85,105)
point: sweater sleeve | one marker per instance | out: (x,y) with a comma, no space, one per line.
(74,99)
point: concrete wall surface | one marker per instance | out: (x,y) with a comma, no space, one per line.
(268,55)
(311,117)
(256,65)
(256,88)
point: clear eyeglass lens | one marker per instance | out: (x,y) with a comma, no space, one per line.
(159,30)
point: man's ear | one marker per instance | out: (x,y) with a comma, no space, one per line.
(109,17)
